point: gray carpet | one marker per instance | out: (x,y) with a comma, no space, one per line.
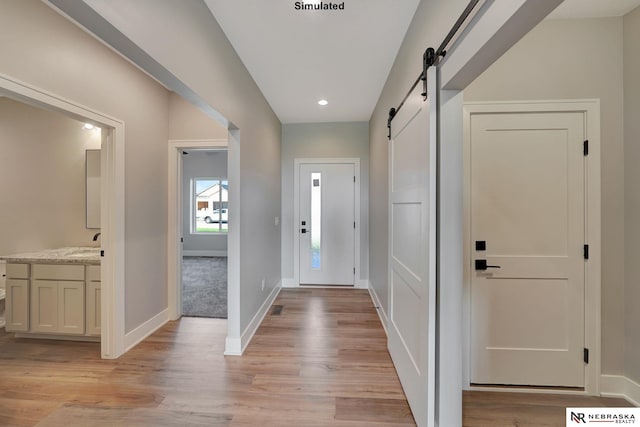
(204,286)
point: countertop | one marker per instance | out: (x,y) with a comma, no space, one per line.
(71,255)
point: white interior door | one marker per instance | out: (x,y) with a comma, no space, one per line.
(412,174)
(327,223)
(528,219)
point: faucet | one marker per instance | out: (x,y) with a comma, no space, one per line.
(95,237)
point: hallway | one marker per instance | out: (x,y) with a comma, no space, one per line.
(321,362)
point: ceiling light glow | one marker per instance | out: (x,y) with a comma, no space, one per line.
(88,126)
(323,102)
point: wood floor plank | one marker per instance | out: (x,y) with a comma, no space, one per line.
(484,408)
(373,410)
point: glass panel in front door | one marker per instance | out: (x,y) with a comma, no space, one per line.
(316,220)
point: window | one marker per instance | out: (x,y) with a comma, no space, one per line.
(210,204)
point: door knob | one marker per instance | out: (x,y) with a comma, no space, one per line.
(304,230)
(481,264)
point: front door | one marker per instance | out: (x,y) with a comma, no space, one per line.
(527,236)
(327,223)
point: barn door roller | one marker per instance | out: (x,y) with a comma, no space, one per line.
(432,57)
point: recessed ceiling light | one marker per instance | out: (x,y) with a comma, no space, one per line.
(88,126)
(323,102)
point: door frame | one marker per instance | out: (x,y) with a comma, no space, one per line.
(175,219)
(112,201)
(591,109)
(357,281)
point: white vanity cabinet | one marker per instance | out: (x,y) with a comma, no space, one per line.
(53,300)
(94,301)
(57,299)
(17,298)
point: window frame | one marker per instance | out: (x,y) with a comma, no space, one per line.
(222,205)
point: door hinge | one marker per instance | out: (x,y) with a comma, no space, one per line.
(586,252)
(354,224)
(585,147)
(586,355)
(354,178)
(102,253)
(354,270)
(182,240)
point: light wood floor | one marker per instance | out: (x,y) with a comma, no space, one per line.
(321,362)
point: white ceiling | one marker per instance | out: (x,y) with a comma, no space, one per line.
(299,57)
(571,9)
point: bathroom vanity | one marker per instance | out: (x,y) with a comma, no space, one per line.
(54,294)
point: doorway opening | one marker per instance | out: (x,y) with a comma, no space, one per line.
(111,275)
(205,217)
(198,222)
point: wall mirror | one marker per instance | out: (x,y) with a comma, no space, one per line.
(92,185)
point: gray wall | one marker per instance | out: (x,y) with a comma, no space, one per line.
(44,49)
(573,71)
(632,195)
(42,179)
(310,140)
(201,164)
(430,24)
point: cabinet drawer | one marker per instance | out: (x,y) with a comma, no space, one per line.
(93,273)
(17,271)
(57,272)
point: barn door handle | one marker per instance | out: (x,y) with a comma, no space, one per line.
(481,264)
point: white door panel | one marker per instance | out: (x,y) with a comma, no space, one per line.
(327,224)
(412,174)
(527,204)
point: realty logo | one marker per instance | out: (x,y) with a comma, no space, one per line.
(578,417)
(630,415)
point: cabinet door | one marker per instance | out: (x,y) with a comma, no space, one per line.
(44,306)
(17,305)
(71,307)
(94,313)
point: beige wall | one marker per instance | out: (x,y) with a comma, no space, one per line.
(188,122)
(632,195)
(45,50)
(567,60)
(308,140)
(42,179)
(185,39)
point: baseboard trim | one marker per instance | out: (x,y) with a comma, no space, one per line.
(232,347)
(379,308)
(136,336)
(81,338)
(620,386)
(362,284)
(290,283)
(237,346)
(203,253)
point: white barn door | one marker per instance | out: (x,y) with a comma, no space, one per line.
(412,225)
